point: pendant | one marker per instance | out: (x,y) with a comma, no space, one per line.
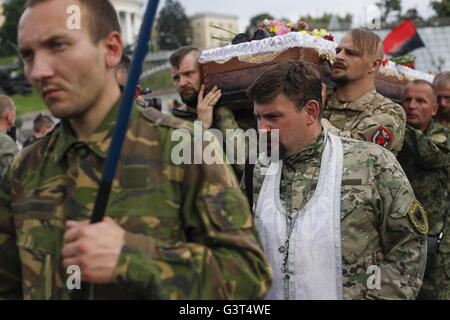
(284,249)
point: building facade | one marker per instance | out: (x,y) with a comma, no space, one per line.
(130,19)
(2,17)
(203,32)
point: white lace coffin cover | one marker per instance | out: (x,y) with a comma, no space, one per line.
(279,44)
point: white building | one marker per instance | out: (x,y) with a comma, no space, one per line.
(130,18)
(2,17)
(203,31)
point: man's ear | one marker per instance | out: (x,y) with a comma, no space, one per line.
(375,65)
(312,109)
(434,109)
(7,115)
(114,50)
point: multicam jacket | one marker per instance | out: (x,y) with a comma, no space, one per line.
(372,117)
(425,157)
(227,119)
(189,231)
(8,149)
(380,219)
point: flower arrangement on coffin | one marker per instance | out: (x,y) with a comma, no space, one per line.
(407,60)
(272,28)
(279,28)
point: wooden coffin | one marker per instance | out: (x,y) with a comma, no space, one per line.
(234,76)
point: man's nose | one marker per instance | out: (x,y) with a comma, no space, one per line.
(262,126)
(339,56)
(40,69)
(183,81)
(412,104)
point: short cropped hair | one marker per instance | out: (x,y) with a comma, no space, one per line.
(442,80)
(367,42)
(426,83)
(102,17)
(177,56)
(6,104)
(42,121)
(297,80)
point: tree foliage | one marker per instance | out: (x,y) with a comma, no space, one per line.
(12,10)
(442,8)
(173,26)
(389,6)
(325,19)
(256,20)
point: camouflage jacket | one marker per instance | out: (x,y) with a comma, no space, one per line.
(189,230)
(8,149)
(226,119)
(378,207)
(425,157)
(372,117)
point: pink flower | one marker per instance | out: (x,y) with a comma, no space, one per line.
(282,30)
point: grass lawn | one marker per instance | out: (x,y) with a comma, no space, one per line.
(159,81)
(26,104)
(7,61)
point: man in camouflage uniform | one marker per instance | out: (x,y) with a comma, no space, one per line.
(442,85)
(425,157)
(186,75)
(8,147)
(356,110)
(382,225)
(41,125)
(170,232)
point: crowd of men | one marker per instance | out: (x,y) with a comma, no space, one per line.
(356,206)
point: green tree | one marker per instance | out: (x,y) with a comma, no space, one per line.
(12,10)
(442,8)
(348,18)
(256,20)
(389,6)
(173,26)
(323,21)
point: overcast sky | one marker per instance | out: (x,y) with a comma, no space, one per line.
(292,9)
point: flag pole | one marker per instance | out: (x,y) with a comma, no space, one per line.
(121,125)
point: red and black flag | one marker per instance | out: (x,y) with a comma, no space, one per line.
(403,39)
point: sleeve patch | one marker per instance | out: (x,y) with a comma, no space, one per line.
(382,137)
(418,217)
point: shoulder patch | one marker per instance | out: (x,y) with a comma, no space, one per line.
(418,217)
(382,137)
(439,138)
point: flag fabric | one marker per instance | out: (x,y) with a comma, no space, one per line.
(402,39)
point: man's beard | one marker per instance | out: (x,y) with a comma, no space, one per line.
(443,111)
(191,99)
(340,81)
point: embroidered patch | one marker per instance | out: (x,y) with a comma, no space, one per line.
(439,138)
(418,217)
(382,137)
